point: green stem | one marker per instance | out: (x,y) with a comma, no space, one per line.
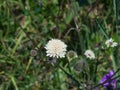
(14,82)
(102,29)
(28,65)
(18,41)
(116,16)
(69,75)
(96,67)
(113,62)
(69,67)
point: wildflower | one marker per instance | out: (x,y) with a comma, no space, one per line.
(111,43)
(56,48)
(71,55)
(33,52)
(80,65)
(89,54)
(111,84)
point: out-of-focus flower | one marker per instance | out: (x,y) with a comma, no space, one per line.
(89,54)
(71,55)
(33,52)
(80,65)
(110,43)
(111,83)
(56,48)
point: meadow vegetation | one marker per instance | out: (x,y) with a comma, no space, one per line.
(59,45)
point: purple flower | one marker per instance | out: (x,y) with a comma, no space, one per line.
(111,83)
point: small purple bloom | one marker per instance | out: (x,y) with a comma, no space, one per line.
(111,83)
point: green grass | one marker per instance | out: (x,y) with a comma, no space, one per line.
(27,25)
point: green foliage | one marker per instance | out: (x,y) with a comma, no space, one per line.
(27,25)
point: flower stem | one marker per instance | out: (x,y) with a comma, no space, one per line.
(28,65)
(96,67)
(69,75)
(113,62)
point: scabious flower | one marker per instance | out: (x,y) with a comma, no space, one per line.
(80,65)
(56,48)
(89,54)
(111,83)
(71,55)
(110,43)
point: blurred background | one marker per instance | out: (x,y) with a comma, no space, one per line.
(27,25)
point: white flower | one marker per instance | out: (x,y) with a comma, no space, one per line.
(110,43)
(56,48)
(89,54)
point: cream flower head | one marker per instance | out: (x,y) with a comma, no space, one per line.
(56,48)
(89,54)
(110,43)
